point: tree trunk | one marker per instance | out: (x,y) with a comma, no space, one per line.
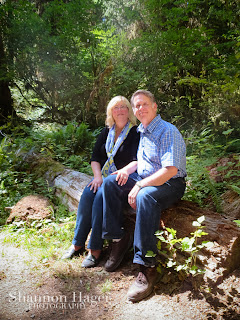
(6,103)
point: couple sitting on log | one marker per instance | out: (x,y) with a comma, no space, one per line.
(144,166)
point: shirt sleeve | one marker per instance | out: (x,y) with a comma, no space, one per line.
(99,152)
(172,148)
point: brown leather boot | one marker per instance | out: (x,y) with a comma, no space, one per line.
(144,284)
(118,251)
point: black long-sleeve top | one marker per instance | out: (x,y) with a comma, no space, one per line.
(126,153)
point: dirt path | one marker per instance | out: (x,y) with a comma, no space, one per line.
(29,290)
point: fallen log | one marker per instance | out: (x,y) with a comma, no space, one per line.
(69,187)
(68,183)
(219,260)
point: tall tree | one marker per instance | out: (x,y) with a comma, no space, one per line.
(187,52)
(52,52)
(6,102)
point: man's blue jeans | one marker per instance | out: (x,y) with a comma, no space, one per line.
(89,216)
(150,203)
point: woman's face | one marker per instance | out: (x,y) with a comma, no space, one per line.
(120,113)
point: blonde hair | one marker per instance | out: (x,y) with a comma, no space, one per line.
(109,120)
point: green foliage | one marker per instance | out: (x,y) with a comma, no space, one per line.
(120,14)
(187,59)
(235,188)
(53,53)
(200,186)
(15,183)
(70,140)
(68,58)
(168,244)
(237,222)
(203,150)
(70,144)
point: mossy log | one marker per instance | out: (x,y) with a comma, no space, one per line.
(69,187)
(68,183)
(218,260)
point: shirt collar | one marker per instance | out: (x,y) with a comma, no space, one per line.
(152,125)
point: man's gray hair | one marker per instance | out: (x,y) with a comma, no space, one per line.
(144,92)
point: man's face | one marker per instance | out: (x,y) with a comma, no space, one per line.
(144,109)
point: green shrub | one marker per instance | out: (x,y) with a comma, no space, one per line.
(168,244)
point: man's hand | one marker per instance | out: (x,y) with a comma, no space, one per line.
(132,196)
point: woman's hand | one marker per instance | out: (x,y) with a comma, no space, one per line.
(122,176)
(97,180)
(95,183)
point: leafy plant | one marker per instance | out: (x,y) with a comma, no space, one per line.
(235,188)
(204,150)
(71,144)
(237,222)
(168,246)
(200,185)
(213,190)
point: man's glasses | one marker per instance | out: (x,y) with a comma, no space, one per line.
(144,105)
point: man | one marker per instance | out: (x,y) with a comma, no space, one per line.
(157,184)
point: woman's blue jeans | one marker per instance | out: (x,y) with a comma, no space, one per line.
(89,216)
(150,202)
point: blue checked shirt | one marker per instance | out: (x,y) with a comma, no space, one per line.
(161,145)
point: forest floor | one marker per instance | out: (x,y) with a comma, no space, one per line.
(67,291)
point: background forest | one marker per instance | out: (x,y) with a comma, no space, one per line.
(61,61)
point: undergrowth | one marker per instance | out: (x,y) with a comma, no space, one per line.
(203,151)
(71,145)
(47,239)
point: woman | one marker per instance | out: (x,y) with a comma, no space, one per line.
(114,152)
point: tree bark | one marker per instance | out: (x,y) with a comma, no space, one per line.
(69,187)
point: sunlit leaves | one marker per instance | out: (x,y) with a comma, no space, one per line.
(168,246)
